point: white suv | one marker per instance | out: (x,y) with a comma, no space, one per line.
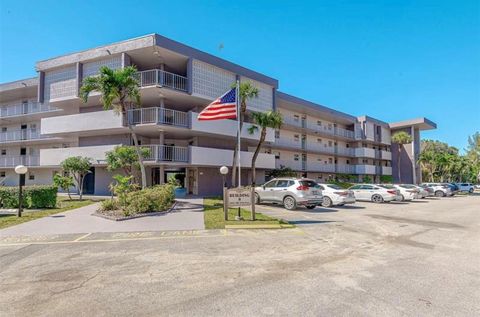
(290,192)
(334,195)
(439,190)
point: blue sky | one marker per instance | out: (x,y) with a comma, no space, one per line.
(392,60)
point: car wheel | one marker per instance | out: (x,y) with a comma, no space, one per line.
(257,199)
(289,203)
(377,199)
(439,193)
(327,202)
(311,206)
(470,190)
(403,198)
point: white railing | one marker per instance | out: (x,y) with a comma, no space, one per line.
(345,151)
(344,133)
(167,153)
(320,167)
(12,161)
(158,116)
(320,148)
(288,143)
(25,108)
(19,135)
(159,77)
(345,169)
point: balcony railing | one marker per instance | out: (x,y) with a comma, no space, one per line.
(21,135)
(345,169)
(157,77)
(345,133)
(344,151)
(167,153)
(158,115)
(24,109)
(12,161)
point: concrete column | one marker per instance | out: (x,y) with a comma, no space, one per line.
(41,87)
(414,163)
(125,60)
(79,71)
(190,76)
(161,141)
(162,102)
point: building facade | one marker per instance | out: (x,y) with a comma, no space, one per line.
(43,121)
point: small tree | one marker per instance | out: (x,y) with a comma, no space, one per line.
(264,120)
(247,91)
(283,171)
(120,91)
(122,187)
(126,159)
(386,179)
(64,183)
(78,167)
(367,179)
(400,138)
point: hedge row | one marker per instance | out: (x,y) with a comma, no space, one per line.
(36,196)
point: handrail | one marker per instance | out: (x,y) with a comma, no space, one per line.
(27,160)
(24,109)
(158,115)
(167,153)
(154,77)
(21,134)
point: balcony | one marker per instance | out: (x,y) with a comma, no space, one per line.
(344,151)
(53,157)
(12,161)
(22,109)
(344,133)
(320,167)
(364,152)
(165,153)
(158,115)
(345,169)
(157,77)
(21,135)
(385,155)
(386,170)
(365,169)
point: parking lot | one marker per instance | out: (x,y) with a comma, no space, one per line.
(398,259)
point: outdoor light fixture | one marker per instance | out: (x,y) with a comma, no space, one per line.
(224,172)
(21,170)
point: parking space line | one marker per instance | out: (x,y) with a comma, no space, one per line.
(80,238)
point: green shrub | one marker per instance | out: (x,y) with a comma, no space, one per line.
(386,179)
(109,204)
(36,196)
(157,198)
(344,185)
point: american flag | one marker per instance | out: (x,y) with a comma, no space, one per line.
(223,107)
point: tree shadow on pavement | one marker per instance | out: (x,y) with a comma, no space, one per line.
(307,222)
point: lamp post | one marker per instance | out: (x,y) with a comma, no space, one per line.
(21,170)
(224,172)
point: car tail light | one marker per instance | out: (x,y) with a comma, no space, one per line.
(303,187)
(341,193)
(393,192)
(412,190)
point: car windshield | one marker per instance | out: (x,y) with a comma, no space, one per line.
(407,186)
(308,183)
(334,186)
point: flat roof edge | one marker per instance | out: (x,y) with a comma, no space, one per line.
(21,83)
(422,123)
(314,106)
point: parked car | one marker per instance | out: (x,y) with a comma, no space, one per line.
(407,191)
(334,195)
(466,187)
(374,193)
(390,186)
(454,187)
(439,190)
(291,192)
(424,192)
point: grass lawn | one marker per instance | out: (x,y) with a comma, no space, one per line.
(63,204)
(214,216)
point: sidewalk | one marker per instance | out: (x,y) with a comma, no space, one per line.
(187,215)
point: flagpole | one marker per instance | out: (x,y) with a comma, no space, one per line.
(237,97)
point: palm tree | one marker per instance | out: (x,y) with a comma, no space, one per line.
(400,138)
(264,120)
(119,91)
(247,91)
(426,160)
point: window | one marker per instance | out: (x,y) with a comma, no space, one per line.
(277,134)
(364,161)
(4,151)
(329,126)
(347,145)
(270,184)
(4,129)
(356,187)
(31,176)
(335,161)
(330,160)
(296,137)
(366,187)
(282,183)
(348,161)
(330,143)
(296,117)
(319,140)
(277,155)
(319,123)
(2,174)
(296,157)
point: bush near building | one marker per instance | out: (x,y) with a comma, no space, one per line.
(34,197)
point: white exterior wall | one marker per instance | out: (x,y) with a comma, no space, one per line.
(53,157)
(92,68)
(204,156)
(82,122)
(386,135)
(42,177)
(264,101)
(61,83)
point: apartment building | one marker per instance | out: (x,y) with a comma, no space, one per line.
(43,122)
